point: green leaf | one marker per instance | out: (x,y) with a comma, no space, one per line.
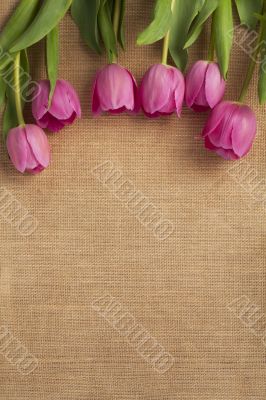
(52,58)
(107,30)
(183,15)
(121,31)
(2,91)
(10,119)
(85,15)
(18,23)
(48,17)
(160,24)
(196,28)
(223,27)
(246,11)
(262,72)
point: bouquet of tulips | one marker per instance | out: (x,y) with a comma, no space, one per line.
(230,129)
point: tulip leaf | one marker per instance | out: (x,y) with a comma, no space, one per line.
(160,24)
(2,91)
(184,13)
(48,17)
(10,119)
(223,28)
(121,30)
(262,73)
(85,15)
(18,22)
(52,58)
(207,10)
(246,11)
(107,29)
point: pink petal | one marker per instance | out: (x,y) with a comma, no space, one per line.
(61,106)
(216,117)
(244,131)
(17,148)
(38,142)
(195,80)
(40,103)
(114,88)
(155,89)
(227,154)
(215,85)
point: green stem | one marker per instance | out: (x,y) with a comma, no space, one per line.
(252,65)
(166,41)
(116,21)
(211,51)
(116,17)
(17,90)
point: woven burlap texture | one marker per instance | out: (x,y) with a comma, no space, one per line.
(191,289)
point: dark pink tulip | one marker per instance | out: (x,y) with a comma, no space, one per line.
(205,86)
(162,91)
(28,149)
(64,109)
(115,91)
(230,130)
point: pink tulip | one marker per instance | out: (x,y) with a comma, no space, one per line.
(162,91)
(28,149)
(64,109)
(115,91)
(230,130)
(205,86)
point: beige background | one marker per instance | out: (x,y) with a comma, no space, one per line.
(88,244)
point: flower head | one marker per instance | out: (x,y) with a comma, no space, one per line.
(64,108)
(115,91)
(162,91)
(230,130)
(205,86)
(28,149)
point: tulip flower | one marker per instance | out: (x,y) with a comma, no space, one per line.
(28,149)
(205,86)
(64,107)
(162,91)
(115,91)
(230,130)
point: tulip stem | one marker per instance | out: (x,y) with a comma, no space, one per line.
(116,17)
(211,51)
(166,41)
(116,22)
(17,90)
(252,65)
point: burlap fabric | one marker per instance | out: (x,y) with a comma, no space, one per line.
(134,267)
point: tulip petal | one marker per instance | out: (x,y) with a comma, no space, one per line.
(179,92)
(40,103)
(17,148)
(155,89)
(73,98)
(195,80)
(114,89)
(61,107)
(227,154)
(216,117)
(38,142)
(214,85)
(244,131)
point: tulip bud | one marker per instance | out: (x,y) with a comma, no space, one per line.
(64,108)
(162,91)
(205,86)
(230,130)
(115,91)
(28,149)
